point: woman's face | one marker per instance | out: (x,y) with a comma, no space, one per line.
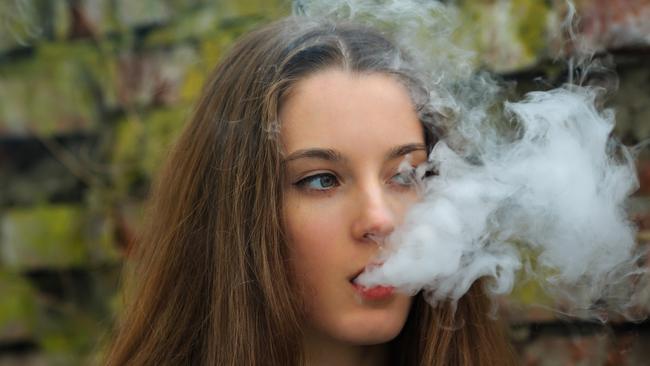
(344,137)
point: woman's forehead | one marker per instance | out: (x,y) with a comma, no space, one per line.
(339,108)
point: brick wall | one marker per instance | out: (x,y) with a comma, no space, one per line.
(92,92)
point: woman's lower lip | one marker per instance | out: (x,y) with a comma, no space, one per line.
(375,292)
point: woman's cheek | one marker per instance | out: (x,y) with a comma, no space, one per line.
(313,228)
(311,214)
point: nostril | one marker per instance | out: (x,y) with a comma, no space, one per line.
(377,239)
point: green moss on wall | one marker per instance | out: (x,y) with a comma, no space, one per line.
(532,19)
(44,236)
(17,307)
(270,9)
(163,126)
(506,34)
(55,91)
(142,142)
(530,291)
(19,23)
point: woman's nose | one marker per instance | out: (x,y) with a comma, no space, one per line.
(375,219)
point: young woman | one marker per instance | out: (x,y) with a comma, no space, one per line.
(273,201)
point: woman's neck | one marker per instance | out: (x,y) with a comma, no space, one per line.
(322,351)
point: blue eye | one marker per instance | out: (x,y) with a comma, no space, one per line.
(318,182)
(404,179)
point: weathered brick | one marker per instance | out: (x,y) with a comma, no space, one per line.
(566,350)
(42,237)
(17,308)
(91,18)
(508,35)
(29,359)
(145,12)
(142,142)
(630,101)
(573,348)
(154,78)
(53,236)
(266,8)
(609,24)
(25,23)
(54,92)
(20,24)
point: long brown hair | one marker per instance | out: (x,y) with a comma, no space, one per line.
(211,284)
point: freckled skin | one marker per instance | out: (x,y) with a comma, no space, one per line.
(331,207)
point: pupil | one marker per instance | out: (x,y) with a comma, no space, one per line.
(326,181)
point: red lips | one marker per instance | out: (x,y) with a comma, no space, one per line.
(372,293)
(375,292)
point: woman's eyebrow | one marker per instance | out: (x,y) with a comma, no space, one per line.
(402,150)
(316,153)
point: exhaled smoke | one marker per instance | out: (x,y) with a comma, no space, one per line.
(556,193)
(544,198)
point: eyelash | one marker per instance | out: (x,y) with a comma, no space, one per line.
(305,182)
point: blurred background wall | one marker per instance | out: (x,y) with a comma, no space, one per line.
(93,92)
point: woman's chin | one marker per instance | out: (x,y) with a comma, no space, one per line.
(372,334)
(369,339)
(373,326)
